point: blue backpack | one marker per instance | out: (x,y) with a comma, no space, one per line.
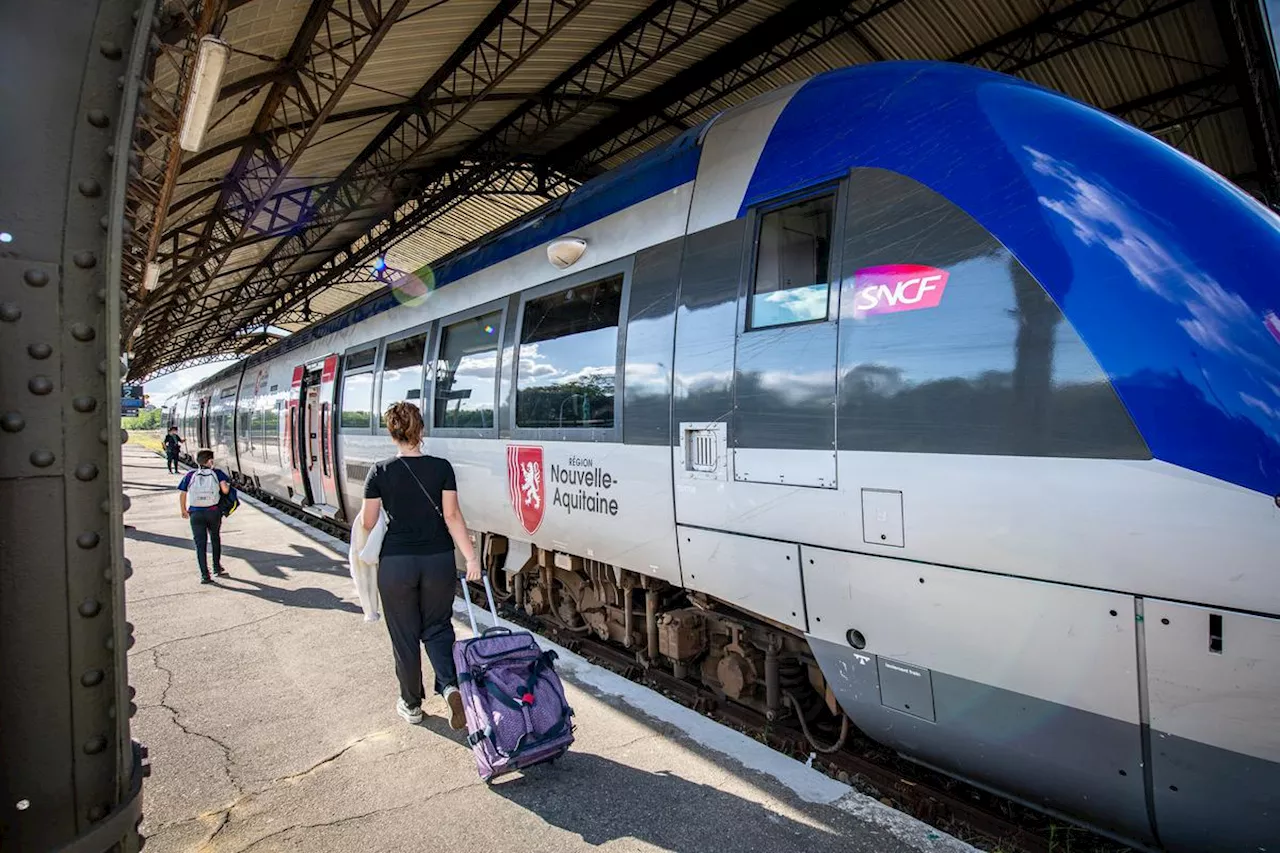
(229,502)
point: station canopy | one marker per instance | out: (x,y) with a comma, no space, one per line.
(353,141)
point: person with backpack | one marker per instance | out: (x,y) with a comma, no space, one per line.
(172,447)
(200,497)
(417,572)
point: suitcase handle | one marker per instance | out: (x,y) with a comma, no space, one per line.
(471,614)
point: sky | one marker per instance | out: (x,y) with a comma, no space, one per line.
(164,387)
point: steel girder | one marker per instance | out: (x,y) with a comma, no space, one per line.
(1243,25)
(1053,34)
(154,155)
(515,179)
(332,46)
(71,776)
(663,27)
(513,32)
(1183,106)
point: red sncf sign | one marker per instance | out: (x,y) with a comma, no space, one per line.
(897,287)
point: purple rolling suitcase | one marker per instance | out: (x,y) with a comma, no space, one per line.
(517,715)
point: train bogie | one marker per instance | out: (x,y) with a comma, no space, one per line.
(922,411)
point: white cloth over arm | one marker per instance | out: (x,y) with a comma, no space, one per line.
(366,544)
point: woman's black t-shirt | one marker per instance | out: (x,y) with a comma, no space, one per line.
(416,527)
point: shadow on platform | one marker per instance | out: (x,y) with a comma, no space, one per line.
(269,564)
(602,801)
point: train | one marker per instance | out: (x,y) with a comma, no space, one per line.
(910,393)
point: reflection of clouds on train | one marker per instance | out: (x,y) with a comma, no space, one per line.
(1218,319)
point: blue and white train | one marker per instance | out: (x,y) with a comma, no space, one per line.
(912,390)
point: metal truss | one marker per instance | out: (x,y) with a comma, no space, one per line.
(154,155)
(514,31)
(1055,33)
(662,28)
(1245,34)
(332,46)
(1181,107)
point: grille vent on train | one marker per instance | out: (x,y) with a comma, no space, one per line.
(703,450)
(356,472)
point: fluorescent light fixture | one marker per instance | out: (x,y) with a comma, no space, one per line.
(206,82)
(151,277)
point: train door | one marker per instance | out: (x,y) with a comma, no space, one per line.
(784,407)
(311,436)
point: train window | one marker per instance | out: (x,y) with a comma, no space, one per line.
(357,390)
(467,372)
(949,345)
(363,358)
(402,373)
(793,259)
(357,401)
(568,357)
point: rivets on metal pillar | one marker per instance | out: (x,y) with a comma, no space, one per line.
(97,813)
(111,50)
(82,332)
(95,745)
(102,435)
(88,540)
(36,278)
(12,422)
(39,351)
(98,118)
(90,608)
(109,643)
(102,367)
(124,436)
(89,187)
(84,404)
(10,312)
(126,503)
(41,458)
(104,223)
(40,385)
(92,677)
(128,573)
(102,295)
(86,471)
(85,259)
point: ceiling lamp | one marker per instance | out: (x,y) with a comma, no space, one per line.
(206,83)
(151,277)
(565,252)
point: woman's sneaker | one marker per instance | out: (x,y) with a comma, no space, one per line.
(457,714)
(413,715)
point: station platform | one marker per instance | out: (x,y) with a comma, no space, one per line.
(267,704)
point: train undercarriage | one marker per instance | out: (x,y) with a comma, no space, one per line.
(740,658)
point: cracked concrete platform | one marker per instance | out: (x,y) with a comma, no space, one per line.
(267,705)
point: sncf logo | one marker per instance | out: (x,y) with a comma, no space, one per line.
(897,287)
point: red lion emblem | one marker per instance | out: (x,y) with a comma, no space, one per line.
(524,484)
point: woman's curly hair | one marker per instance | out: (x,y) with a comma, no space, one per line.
(404,422)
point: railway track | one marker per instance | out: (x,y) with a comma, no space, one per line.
(986,820)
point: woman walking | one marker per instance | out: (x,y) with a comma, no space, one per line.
(416,569)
